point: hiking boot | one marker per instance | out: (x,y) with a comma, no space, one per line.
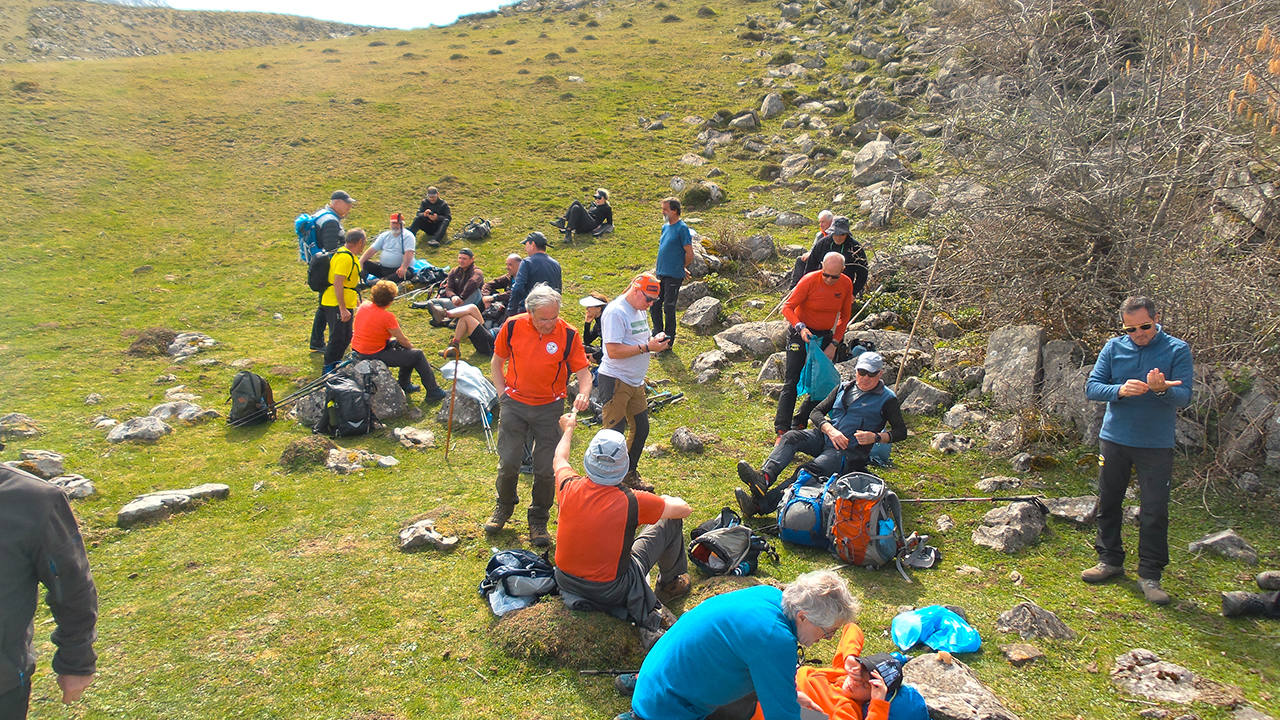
(559,222)
(538,535)
(435,394)
(433,243)
(633,481)
(568,237)
(317,349)
(746,503)
(1269,580)
(598,231)
(756,481)
(625,684)
(1152,591)
(648,637)
(411,389)
(498,520)
(677,588)
(1235,604)
(1101,571)
(628,715)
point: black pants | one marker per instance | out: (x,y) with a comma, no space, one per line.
(797,353)
(407,361)
(826,461)
(607,386)
(663,312)
(434,229)
(577,219)
(14,703)
(318,323)
(382,271)
(1154,468)
(339,335)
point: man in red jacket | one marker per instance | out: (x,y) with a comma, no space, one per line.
(819,306)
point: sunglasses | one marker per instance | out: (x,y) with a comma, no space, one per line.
(651,299)
(1127,330)
(867,373)
(831,277)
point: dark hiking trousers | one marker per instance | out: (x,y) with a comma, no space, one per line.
(1154,470)
(339,335)
(662,313)
(318,324)
(407,361)
(826,461)
(434,230)
(786,417)
(14,703)
(662,544)
(515,421)
(577,219)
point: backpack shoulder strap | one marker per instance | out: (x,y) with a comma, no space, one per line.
(511,328)
(629,532)
(569,335)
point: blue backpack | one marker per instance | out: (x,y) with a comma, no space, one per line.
(802,511)
(515,579)
(304,226)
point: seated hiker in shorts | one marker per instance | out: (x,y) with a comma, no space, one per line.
(461,287)
(376,335)
(845,426)
(396,245)
(594,304)
(470,324)
(601,563)
(597,219)
(853,689)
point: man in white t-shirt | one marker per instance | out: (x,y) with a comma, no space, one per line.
(397,245)
(625,333)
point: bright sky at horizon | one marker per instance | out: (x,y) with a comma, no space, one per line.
(403,14)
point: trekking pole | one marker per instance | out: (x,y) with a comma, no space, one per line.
(453,396)
(608,671)
(902,366)
(291,398)
(1037,500)
(866,304)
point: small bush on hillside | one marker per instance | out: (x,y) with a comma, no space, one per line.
(671,18)
(457,56)
(752,36)
(152,341)
(706,12)
(377,43)
(589,37)
(593,23)
(550,632)
(495,51)
(626,24)
(546,80)
(402,43)
(306,453)
(570,49)
(769,171)
(782,57)
(512,41)
(552,57)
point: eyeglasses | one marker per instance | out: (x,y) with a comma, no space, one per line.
(867,373)
(1127,330)
(651,299)
(827,633)
(831,277)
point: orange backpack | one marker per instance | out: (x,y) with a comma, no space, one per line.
(864,524)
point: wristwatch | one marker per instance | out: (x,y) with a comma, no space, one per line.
(1161,393)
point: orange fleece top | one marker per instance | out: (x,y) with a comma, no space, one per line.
(819,305)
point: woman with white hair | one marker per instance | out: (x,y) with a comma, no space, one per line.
(738,648)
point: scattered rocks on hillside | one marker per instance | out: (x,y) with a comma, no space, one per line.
(44,464)
(999,483)
(1013,365)
(186,344)
(921,398)
(757,339)
(93,398)
(710,360)
(950,443)
(156,505)
(772,106)
(75,486)
(691,291)
(944,523)
(773,368)
(345,461)
(139,429)
(1011,528)
(760,247)
(686,441)
(1006,435)
(792,220)
(1030,620)
(423,534)
(414,438)
(18,425)
(386,399)
(960,415)
(1227,544)
(1062,390)
(1246,428)
(875,105)
(151,341)
(952,691)
(878,161)
(1141,672)
(182,410)
(179,393)
(1022,462)
(1019,654)
(703,316)
(466,413)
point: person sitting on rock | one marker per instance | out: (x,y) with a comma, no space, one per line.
(461,287)
(376,335)
(853,689)
(602,563)
(597,219)
(845,427)
(433,218)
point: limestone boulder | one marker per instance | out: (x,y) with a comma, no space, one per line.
(1013,369)
(44,464)
(1244,430)
(710,360)
(1142,673)
(773,369)
(1011,528)
(75,486)
(189,343)
(161,504)
(1227,544)
(1030,620)
(183,411)
(760,248)
(691,291)
(952,691)
(17,425)
(950,443)
(466,412)
(878,161)
(772,106)
(139,429)
(873,104)
(921,398)
(758,339)
(703,316)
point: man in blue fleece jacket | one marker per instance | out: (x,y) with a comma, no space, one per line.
(1144,376)
(736,648)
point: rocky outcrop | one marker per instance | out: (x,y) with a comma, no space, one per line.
(1030,620)
(1010,528)
(161,504)
(952,691)
(1013,365)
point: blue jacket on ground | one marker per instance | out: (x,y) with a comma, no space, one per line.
(1147,420)
(536,268)
(720,651)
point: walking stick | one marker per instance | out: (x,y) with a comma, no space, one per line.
(453,396)
(906,352)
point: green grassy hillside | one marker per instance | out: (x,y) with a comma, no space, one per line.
(290,599)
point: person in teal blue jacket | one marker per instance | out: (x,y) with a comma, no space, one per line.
(738,648)
(1144,376)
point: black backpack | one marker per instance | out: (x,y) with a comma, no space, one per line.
(318,278)
(521,573)
(346,409)
(477,229)
(251,400)
(724,546)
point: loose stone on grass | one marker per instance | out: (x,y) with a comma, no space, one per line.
(944,523)
(999,483)
(1030,620)
(950,443)
(139,429)
(92,399)
(345,461)
(1141,672)
(952,691)
(686,441)
(423,534)
(1019,654)
(1011,528)
(1227,544)
(306,453)
(74,486)
(183,410)
(17,425)
(414,438)
(156,505)
(44,464)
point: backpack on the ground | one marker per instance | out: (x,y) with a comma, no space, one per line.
(724,546)
(251,400)
(864,522)
(803,510)
(346,411)
(477,229)
(304,226)
(318,277)
(514,579)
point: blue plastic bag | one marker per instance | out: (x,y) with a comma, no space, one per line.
(935,626)
(819,376)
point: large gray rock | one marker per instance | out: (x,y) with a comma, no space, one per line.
(1141,672)
(43,464)
(792,219)
(139,429)
(774,368)
(686,441)
(183,411)
(960,415)
(17,425)
(997,483)
(466,412)
(950,443)
(386,397)
(75,486)
(874,104)
(1083,509)
(161,504)
(1227,544)
(1244,429)
(759,339)
(703,261)
(952,691)
(772,106)
(921,397)
(189,343)
(1030,620)
(1013,365)
(1062,389)
(792,165)
(703,316)
(887,341)
(422,535)
(1256,202)
(351,460)
(760,248)
(746,121)
(710,360)
(1011,528)
(414,438)
(878,161)
(691,291)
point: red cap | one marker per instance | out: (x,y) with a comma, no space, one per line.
(647,284)
(397,217)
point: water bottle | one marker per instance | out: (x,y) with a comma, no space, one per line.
(744,568)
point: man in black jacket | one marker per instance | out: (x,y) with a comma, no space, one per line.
(40,544)
(433,218)
(837,239)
